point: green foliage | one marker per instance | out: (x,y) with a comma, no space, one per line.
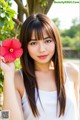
(43,3)
(71,32)
(66,41)
(6,22)
(6,32)
(8,29)
(6,14)
(71,37)
(17,64)
(75,42)
(57,22)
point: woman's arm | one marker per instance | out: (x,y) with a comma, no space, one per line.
(11,96)
(12,99)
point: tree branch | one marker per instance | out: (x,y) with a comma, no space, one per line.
(34,6)
(17,22)
(20,5)
(30,5)
(49,3)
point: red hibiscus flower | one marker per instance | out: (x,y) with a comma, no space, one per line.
(11,49)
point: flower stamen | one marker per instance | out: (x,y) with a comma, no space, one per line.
(11,50)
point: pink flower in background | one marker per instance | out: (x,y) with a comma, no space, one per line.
(11,49)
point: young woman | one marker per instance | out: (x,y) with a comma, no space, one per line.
(45,88)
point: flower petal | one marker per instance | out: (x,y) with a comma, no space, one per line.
(11,49)
(9,58)
(18,53)
(3,51)
(7,43)
(15,43)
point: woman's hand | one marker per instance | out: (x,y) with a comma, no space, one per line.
(6,67)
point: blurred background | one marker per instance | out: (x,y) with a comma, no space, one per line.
(66,16)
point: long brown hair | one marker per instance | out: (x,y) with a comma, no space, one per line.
(37,23)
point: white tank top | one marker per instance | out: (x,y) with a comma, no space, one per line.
(49,103)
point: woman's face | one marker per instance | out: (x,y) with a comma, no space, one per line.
(41,51)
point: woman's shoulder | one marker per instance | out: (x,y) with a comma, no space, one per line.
(18,80)
(72,71)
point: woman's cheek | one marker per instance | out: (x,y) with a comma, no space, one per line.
(52,47)
(32,51)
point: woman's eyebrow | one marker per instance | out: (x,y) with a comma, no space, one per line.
(33,39)
(47,37)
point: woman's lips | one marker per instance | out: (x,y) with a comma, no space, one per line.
(42,56)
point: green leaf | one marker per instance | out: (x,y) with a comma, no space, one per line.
(43,3)
(11,24)
(11,10)
(1,6)
(2,15)
(7,17)
(2,20)
(1,88)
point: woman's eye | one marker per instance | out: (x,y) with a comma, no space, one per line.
(48,41)
(33,43)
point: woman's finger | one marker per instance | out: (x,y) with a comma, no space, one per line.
(2,59)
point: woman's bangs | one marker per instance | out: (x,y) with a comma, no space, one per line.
(38,32)
(49,30)
(37,29)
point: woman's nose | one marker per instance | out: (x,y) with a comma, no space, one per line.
(42,47)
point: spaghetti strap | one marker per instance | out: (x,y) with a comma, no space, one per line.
(69,84)
(66,74)
(67,77)
(21,73)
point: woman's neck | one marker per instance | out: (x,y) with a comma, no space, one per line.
(42,67)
